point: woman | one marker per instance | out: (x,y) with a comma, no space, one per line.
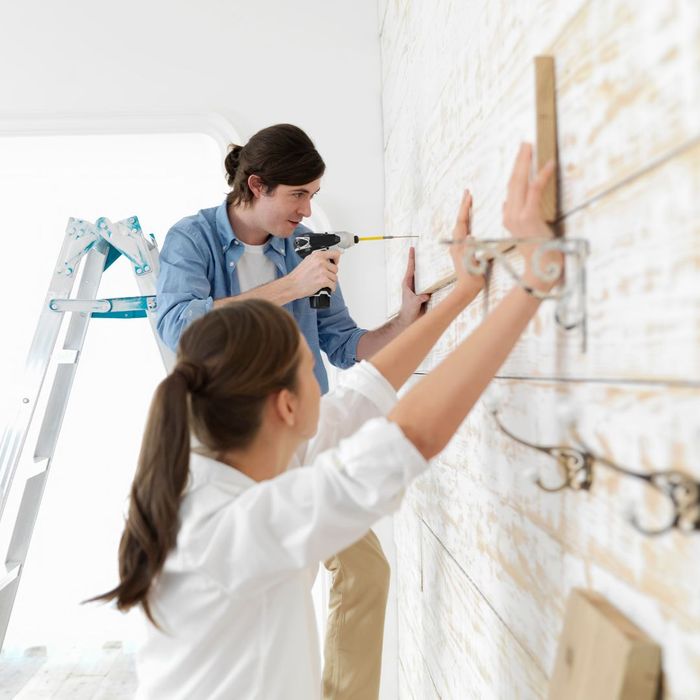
(244,249)
(222,541)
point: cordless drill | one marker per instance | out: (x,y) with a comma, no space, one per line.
(307,243)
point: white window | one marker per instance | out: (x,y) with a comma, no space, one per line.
(43,181)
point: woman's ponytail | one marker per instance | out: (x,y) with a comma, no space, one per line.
(217,392)
(152,524)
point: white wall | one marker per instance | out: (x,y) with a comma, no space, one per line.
(314,64)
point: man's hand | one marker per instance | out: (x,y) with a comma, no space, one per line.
(316,271)
(412,304)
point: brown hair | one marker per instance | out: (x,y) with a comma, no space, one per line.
(279,155)
(229,362)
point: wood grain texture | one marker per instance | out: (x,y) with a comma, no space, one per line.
(643,296)
(618,73)
(603,655)
(532,547)
(546,130)
(469,653)
(457,98)
(105,674)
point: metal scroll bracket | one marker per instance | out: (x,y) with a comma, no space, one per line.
(576,465)
(569,294)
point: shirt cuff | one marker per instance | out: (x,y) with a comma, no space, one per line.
(367,380)
(196,309)
(350,349)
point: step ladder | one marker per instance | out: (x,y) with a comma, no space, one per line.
(94,247)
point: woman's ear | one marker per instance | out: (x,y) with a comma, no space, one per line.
(256,186)
(286,405)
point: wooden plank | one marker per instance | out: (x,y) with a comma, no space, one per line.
(603,655)
(643,299)
(478,43)
(435,88)
(546,130)
(468,652)
(438,285)
(628,84)
(407,579)
(17,669)
(533,547)
(72,673)
(56,669)
(610,94)
(92,669)
(121,681)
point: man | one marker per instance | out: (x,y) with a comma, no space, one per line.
(244,249)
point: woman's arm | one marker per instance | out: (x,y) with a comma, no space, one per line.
(297,519)
(432,411)
(399,359)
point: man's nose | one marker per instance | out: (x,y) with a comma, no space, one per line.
(305,209)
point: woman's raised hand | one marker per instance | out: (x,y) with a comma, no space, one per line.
(522,214)
(521,210)
(458,249)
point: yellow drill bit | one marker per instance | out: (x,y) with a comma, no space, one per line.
(382,238)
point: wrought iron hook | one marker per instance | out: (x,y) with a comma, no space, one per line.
(576,465)
(682,492)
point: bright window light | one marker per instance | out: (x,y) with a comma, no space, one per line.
(45,180)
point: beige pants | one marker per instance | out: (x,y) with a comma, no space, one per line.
(355,629)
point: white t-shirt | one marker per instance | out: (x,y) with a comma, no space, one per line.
(234,597)
(254,268)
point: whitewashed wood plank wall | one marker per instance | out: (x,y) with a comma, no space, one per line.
(486,560)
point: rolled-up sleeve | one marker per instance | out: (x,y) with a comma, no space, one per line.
(338,334)
(305,515)
(183,287)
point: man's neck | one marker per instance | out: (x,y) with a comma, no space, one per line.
(243,223)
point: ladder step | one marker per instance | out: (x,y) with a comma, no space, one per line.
(10,573)
(67,357)
(55,410)
(92,247)
(37,466)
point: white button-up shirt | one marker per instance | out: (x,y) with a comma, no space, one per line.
(234,598)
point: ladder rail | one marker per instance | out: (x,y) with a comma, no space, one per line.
(79,240)
(93,247)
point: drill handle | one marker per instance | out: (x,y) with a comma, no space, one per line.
(321,300)
(306,244)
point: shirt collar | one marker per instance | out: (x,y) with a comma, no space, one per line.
(227,235)
(207,470)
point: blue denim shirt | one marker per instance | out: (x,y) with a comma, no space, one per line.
(198,265)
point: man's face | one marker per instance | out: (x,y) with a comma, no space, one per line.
(281,210)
